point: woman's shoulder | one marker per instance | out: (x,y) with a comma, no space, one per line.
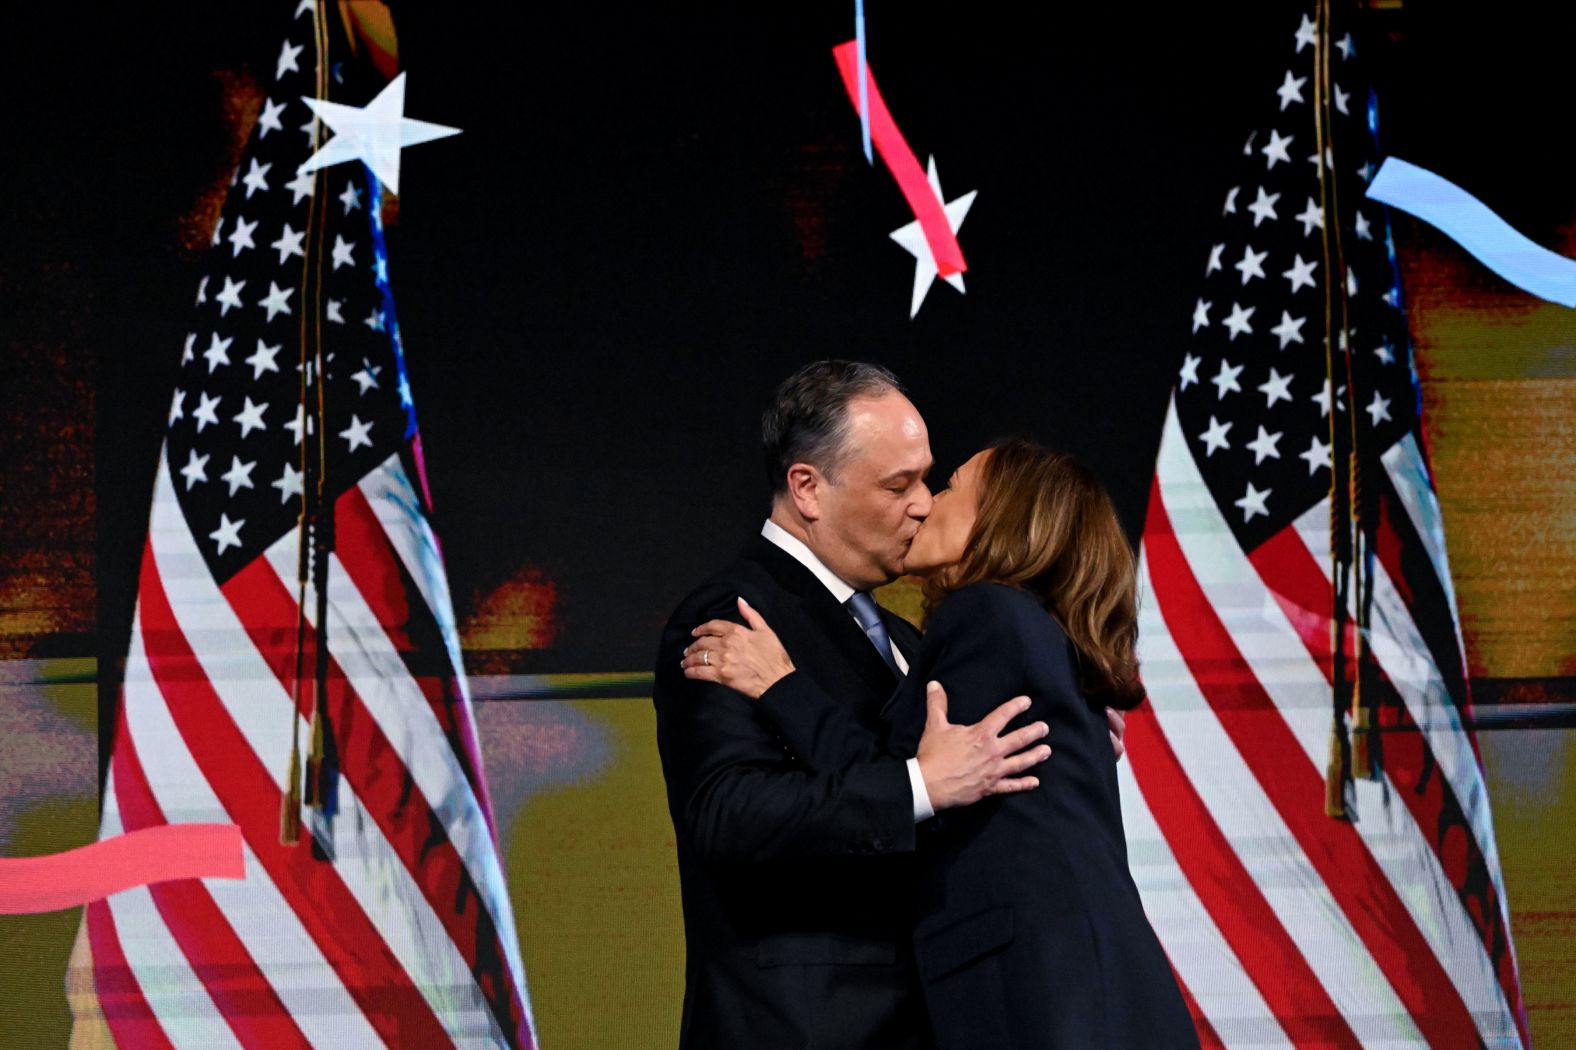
(987,606)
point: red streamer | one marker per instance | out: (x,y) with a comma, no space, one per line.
(88,873)
(903,165)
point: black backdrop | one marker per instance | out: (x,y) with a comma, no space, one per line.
(653,214)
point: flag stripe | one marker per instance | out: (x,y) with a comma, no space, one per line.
(368,555)
(1269,748)
(1266,847)
(126,1011)
(1406,843)
(398,807)
(217,957)
(1214,976)
(425,934)
(265,921)
(314,889)
(1234,901)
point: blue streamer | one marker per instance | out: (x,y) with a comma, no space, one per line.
(1473,225)
(864,88)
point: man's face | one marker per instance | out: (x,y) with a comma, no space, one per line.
(868,516)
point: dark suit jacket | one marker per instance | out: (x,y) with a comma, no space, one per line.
(1028,931)
(795,882)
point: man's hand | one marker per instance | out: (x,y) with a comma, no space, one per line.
(963,764)
(1117,722)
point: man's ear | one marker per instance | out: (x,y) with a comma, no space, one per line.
(804,488)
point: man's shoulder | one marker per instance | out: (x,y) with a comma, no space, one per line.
(746,576)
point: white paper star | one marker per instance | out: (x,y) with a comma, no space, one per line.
(1264,446)
(912,238)
(289,243)
(1289,330)
(333,311)
(1214,259)
(289,483)
(1378,409)
(251,417)
(206,411)
(1264,207)
(350,197)
(202,289)
(217,353)
(239,476)
(241,237)
(1251,264)
(374,133)
(277,301)
(255,178)
(230,296)
(1201,314)
(1351,282)
(262,359)
(1190,370)
(342,252)
(1301,274)
(1230,207)
(195,470)
(301,422)
(1226,379)
(374,320)
(1290,90)
(1276,388)
(1237,321)
(1318,455)
(1363,232)
(187,355)
(228,534)
(1384,353)
(177,407)
(1275,149)
(1252,503)
(1341,99)
(1345,47)
(1323,399)
(268,119)
(1311,216)
(358,434)
(1215,437)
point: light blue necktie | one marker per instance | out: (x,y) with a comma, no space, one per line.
(869,616)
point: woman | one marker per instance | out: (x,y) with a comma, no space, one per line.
(1029,932)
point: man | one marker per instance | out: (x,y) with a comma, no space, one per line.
(794,882)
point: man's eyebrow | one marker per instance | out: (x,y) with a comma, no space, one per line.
(900,475)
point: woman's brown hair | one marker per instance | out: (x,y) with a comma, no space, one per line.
(1046,525)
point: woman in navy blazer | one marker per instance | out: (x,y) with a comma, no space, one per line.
(1028,930)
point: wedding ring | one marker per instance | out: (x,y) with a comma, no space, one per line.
(705,657)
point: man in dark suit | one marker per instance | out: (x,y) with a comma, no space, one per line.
(795,884)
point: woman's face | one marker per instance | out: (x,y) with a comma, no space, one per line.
(941,539)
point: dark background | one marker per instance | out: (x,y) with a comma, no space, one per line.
(655,213)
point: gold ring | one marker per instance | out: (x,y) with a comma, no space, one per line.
(705,657)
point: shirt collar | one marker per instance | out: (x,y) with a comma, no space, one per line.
(801,553)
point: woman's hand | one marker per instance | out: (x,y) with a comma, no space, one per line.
(748,659)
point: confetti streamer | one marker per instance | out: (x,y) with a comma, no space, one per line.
(137,858)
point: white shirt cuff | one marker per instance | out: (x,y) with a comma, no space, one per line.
(922,807)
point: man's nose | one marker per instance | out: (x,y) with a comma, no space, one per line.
(920,508)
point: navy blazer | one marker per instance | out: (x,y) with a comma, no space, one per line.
(1028,930)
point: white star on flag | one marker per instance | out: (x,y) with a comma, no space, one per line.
(912,238)
(374,133)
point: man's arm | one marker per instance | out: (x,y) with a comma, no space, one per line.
(741,795)
(957,764)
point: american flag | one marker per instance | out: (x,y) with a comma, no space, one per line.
(1305,804)
(388,922)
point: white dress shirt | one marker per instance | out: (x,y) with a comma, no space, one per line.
(842,591)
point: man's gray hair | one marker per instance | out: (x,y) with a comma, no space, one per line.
(807,420)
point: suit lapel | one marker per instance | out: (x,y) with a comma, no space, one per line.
(841,629)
